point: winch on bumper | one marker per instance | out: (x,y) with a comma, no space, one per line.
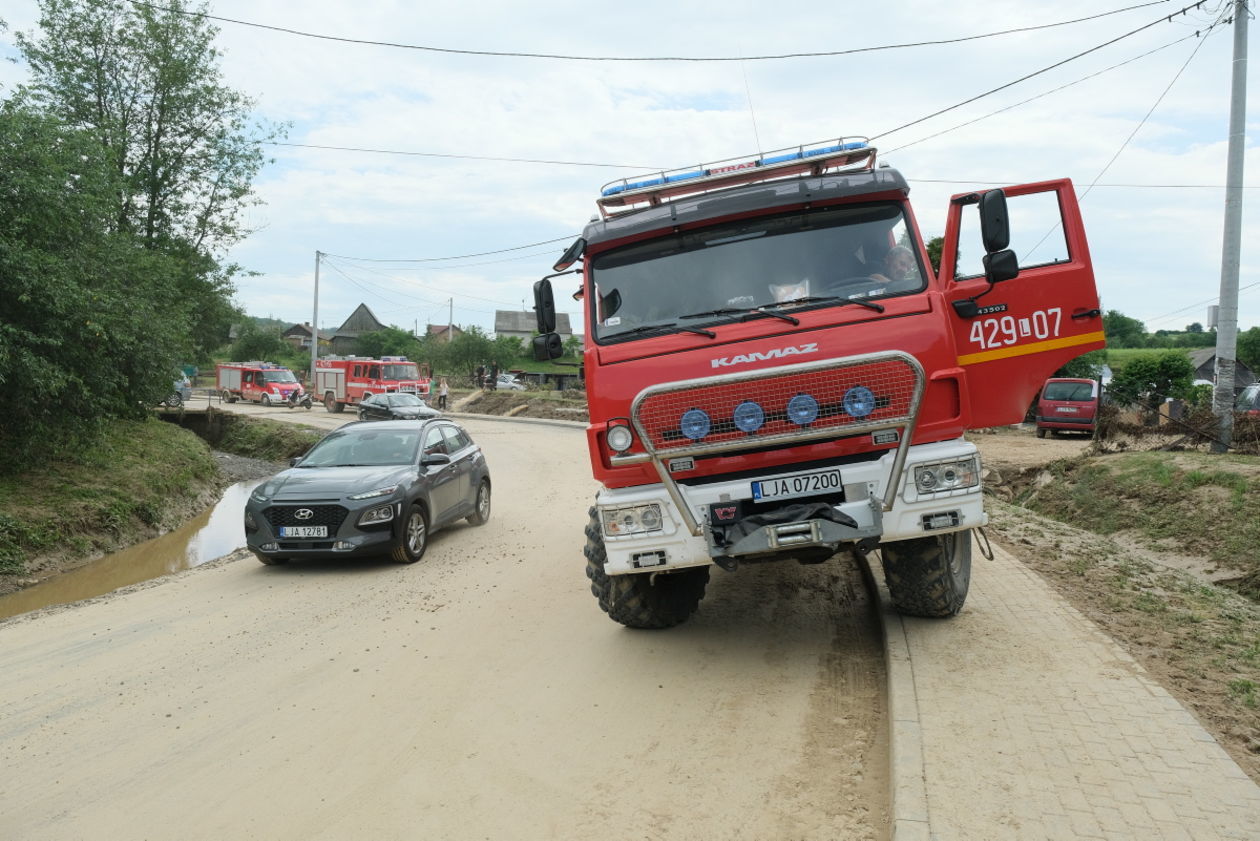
(643,530)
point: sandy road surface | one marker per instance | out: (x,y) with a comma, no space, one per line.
(478,694)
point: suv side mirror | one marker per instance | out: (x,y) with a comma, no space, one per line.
(433,459)
(544,306)
(995,227)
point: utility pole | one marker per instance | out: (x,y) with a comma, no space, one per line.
(1227,326)
(450,321)
(315,326)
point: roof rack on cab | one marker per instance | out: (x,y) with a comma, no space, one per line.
(854,153)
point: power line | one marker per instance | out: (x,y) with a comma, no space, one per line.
(1207,302)
(460,257)
(459,157)
(560,57)
(1025,78)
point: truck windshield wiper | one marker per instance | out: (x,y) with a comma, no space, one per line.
(668,325)
(817,299)
(743,311)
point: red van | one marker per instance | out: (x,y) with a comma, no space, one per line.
(1069,405)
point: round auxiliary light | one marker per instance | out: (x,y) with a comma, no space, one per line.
(749,416)
(802,409)
(695,424)
(859,401)
(619,438)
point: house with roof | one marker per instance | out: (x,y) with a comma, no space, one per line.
(299,335)
(345,339)
(524,326)
(1204,362)
(443,332)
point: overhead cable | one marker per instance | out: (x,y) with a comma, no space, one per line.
(560,57)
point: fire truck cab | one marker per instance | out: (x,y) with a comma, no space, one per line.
(342,380)
(257,382)
(775,371)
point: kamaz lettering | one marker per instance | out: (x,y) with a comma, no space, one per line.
(755,356)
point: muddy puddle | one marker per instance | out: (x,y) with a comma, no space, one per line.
(212,534)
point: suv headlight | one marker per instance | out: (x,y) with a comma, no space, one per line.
(375,493)
(944,476)
(382,514)
(635,519)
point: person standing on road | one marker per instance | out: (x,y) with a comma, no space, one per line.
(443,390)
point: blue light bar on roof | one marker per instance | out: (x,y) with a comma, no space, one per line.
(797,154)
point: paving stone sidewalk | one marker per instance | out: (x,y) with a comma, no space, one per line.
(1020,719)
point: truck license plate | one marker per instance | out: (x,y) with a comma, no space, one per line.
(800,484)
(304,531)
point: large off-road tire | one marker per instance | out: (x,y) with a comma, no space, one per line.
(641,600)
(414,537)
(929,576)
(481,513)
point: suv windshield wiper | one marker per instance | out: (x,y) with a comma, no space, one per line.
(668,325)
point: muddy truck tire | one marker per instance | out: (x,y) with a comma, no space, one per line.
(929,576)
(641,600)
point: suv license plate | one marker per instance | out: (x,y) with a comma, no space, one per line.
(304,531)
(1071,409)
(800,484)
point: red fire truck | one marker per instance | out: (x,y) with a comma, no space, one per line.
(775,371)
(258,382)
(342,380)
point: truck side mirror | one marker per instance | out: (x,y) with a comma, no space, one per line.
(548,346)
(544,306)
(995,227)
(1000,265)
(570,255)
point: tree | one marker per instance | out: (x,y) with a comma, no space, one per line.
(1249,348)
(1086,366)
(253,342)
(934,247)
(1149,380)
(143,81)
(90,326)
(390,341)
(1122,331)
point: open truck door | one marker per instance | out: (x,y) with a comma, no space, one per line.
(1022,305)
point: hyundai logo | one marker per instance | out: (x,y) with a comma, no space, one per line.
(303,514)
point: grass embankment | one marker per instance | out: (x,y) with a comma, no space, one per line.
(1121,523)
(263,438)
(138,478)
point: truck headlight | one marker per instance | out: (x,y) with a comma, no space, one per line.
(635,519)
(943,476)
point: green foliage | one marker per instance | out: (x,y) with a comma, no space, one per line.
(391,341)
(266,439)
(1122,331)
(934,247)
(134,476)
(1087,366)
(1249,348)
(257,343)
(1149,380)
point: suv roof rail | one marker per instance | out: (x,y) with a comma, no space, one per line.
(854,153)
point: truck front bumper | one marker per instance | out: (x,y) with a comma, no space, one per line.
(661,541)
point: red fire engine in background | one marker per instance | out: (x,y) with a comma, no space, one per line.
(347,380)
(776,371)
(258,382)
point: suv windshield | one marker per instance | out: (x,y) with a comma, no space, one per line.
(364,447)
(396,371)
(719,274)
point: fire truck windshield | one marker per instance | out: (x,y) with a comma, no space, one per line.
(397,371)
(281,376)
(826,257)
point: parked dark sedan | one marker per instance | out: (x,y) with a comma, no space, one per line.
(370,489)
(395,405)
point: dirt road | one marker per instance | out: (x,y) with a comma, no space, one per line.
(478,694)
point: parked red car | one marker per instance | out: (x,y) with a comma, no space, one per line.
(1067,405)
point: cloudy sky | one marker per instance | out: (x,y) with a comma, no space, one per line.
(1144,113)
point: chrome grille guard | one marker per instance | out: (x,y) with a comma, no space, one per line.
(894,370)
